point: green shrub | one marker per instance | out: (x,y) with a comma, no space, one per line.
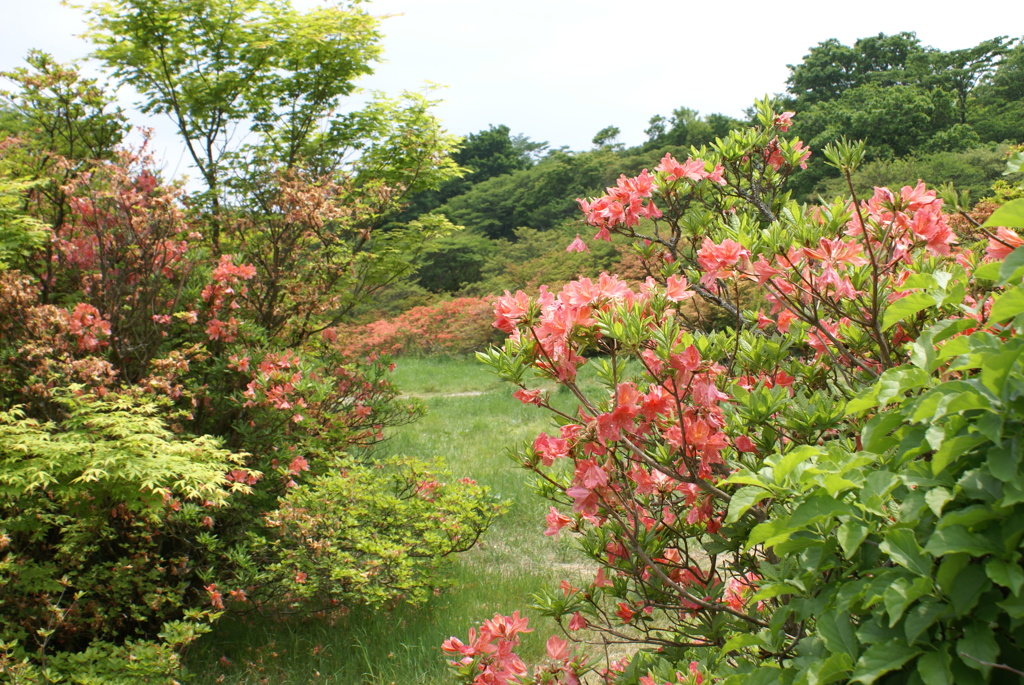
(101,520)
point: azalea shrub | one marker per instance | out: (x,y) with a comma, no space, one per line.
(451,327)
(824,490)
(175,417)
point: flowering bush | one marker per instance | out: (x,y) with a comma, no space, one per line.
(794,498)
(458,326)
(170,417)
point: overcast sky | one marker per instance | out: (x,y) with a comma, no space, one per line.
(561,70)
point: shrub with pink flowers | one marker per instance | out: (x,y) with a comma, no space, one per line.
(828,490)
(182,435)
(452,327)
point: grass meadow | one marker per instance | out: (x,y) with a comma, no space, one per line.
(472,420)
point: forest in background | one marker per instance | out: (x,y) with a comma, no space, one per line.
(948,117)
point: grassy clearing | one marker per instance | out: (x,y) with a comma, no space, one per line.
(472,421)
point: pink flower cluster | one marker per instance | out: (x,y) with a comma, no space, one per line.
(489,658)
(223,291)
(492,650)
(681,406)
(274,384)
(89,327)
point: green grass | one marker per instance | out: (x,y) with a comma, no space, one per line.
(472,421)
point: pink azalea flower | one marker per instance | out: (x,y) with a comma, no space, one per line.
(1005,242)
(577,245)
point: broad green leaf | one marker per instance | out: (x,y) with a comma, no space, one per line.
(1013,606)
(834,484)
(988,271)
(1007,574)
(920,281)
(742,500)
(1014,163)
(978,647)
(1010,269)
(866,400)
(896,382)
(1010,215)
(920,617)
(937,498)
(877,435)
(836,629)
(880,659)
(934,667)
(901,594)
(996,368)
(791,459)
(906,307)
(850,534)
(954,448)
(901,545)
(922,351)
(1007,305)
(956,539)
(742,641)
(967,589)
(835,668)
(1003,461)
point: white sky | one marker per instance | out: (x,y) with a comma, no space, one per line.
(561,70)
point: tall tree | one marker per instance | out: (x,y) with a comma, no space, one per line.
(220,68)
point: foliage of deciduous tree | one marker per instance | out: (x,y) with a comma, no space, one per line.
(225,69)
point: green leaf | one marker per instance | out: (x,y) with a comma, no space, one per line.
(978,647)
(850,534)
(834,668)
(1007,305)
(954,539)
(866,400)
(907,306)
(953,448)
(1007,574)
(741,641)
(988,271)
(934,667)
(836,629)
(967,589)
(1010,269)
(936,498)
(880,659)
(922,351)
(901,545)
(792,459)
(901,594)
(920,617)
(877,435)
(742,500)
(1010,215)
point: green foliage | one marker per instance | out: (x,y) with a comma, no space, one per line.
(538,198)
(224,307)
(686,128)
(918,534)
(999,106)
(20,234)
(902,97)
(454,262)
(970,171)
(316,550)
(216,66)
(94,510)
(832,495)
(537,257)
